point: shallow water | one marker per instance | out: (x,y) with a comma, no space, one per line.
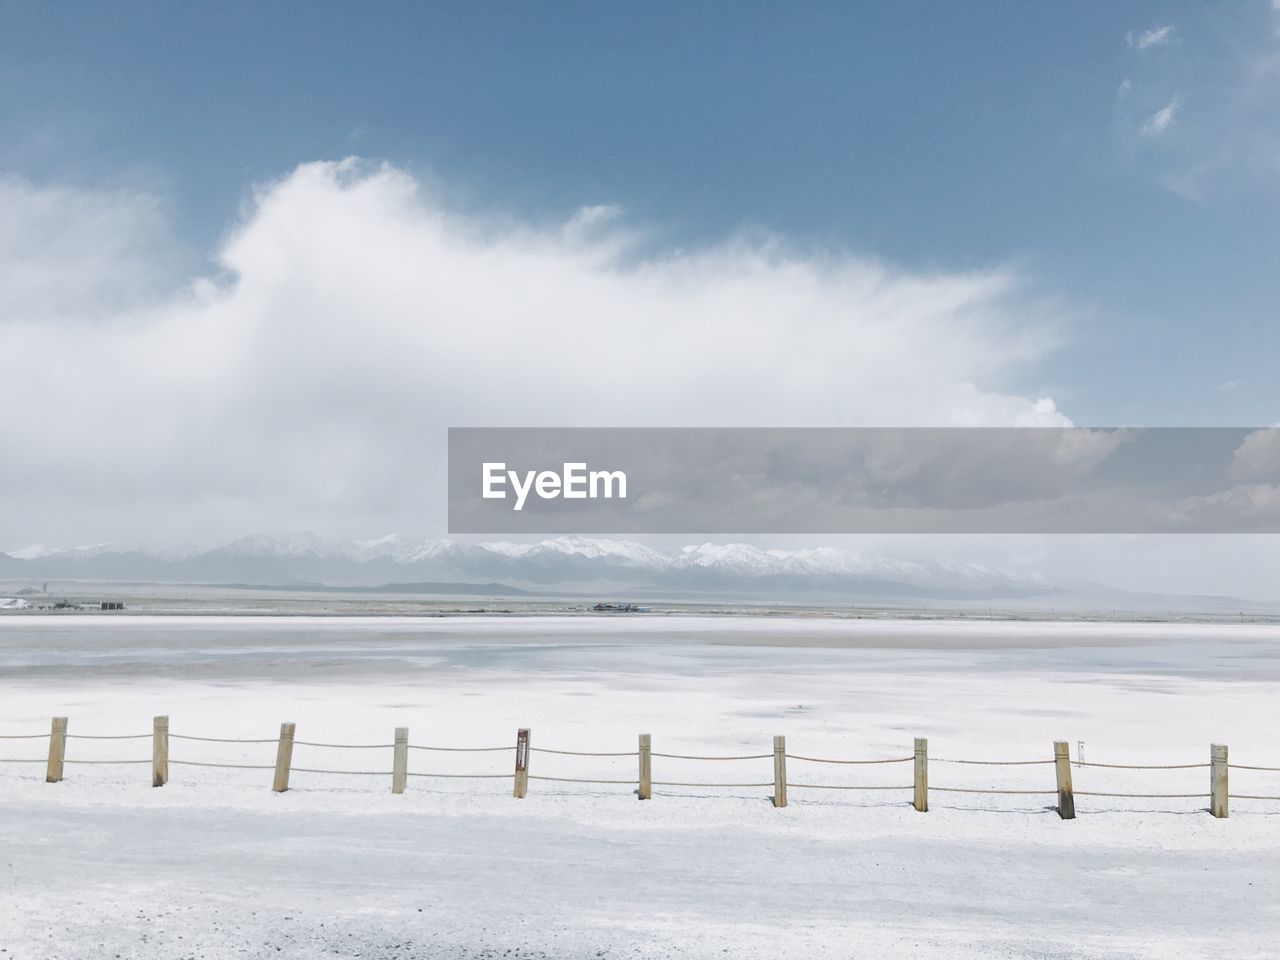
(328,648)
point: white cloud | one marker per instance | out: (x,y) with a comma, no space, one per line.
(355,318)
(1161,120)
(1226,109)
(71,254)
(1160,36)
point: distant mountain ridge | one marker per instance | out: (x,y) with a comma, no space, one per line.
(557,563)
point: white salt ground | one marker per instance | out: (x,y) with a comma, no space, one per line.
(215,865)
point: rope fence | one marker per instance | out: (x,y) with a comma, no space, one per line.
(1141,796)
(796,756)
(1217,793)
(1143,766)
(345,746)
(1007,793)
(843,786)
(994,763)
(415,746)
(583,753)
(462,776)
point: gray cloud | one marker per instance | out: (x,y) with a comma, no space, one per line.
(1257,457)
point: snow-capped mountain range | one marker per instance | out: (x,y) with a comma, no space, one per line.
(553,565)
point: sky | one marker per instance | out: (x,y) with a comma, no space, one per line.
(255,258)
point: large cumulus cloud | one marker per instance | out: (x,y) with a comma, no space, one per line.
(351,316)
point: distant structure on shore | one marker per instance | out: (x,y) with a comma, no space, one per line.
(619,608)
(18,603)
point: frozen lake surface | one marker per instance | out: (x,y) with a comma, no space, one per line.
(216,865)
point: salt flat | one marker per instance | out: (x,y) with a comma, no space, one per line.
(216,865)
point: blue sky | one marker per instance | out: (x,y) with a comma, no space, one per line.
(936,136)
(760,215)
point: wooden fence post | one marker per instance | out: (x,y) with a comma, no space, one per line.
(159,751)
(779,771)
(522,763)
(284,757)
(57,749)
(922,775)
(1062,764)
(646,768)
(1218,779)
(400,763)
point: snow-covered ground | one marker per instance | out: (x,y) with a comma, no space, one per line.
(216,865)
